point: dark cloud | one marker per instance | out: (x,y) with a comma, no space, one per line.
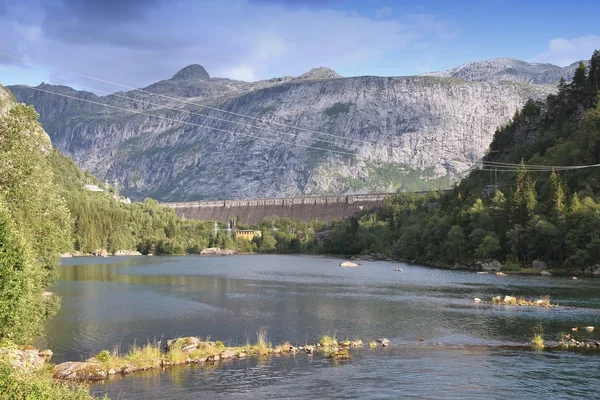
(107,10)
(299,3)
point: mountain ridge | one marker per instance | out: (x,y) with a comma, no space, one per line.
(416,132)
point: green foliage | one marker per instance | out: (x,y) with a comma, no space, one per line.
(34,225)
(37,386)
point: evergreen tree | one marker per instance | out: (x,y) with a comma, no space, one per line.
(594,73)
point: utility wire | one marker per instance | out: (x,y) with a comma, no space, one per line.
(186,101)
(193,124)
(198,114)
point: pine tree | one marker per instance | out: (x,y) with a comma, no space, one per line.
(594,73)
(579,81)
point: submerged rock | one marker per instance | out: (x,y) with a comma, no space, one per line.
(546,273)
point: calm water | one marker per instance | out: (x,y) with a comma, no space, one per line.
(456,353)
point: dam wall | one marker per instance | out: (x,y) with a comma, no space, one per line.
(253,211)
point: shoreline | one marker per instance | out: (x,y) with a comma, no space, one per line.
(359,258)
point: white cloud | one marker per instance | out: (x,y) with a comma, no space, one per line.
(234,39)
(563,52)
(240,73)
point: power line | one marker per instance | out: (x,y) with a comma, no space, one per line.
(200,115)
(193,124)
(186,101)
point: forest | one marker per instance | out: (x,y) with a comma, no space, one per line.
(535,196)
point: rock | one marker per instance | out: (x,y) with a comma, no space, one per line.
(538,264)
(186,344)
(546,273)
(595,270)
(341,355)
(47,295)
(112,371)
(129,369)
(384,342)
(509,299)
(66,255)
(215,251)
(347,264)
(477,300)
(398,270)
(574,278)
(228,354)
(100,253)
(309,349)
(482,272)
(46,354)
(79,371)
(500,274)
(492,266)
(241,355)
(26,360)
(589,328)
(127,253)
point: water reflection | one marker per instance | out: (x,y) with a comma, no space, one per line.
(121,300)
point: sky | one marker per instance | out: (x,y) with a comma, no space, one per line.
(138,42)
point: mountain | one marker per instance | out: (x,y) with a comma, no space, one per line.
(364,133)
(509,69)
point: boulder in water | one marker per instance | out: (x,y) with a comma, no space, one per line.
(348,264)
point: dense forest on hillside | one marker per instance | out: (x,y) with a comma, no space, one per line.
(511,209)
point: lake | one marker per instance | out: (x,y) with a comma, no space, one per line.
(443,344)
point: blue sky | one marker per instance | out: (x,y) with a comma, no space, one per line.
(137,42)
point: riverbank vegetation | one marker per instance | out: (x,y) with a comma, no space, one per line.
(511,210)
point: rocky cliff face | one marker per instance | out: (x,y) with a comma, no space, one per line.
(382,134)
(509,69)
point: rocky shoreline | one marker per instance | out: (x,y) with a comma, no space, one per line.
(193,350)
(537,267)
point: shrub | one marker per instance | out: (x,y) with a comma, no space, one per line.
(510,266)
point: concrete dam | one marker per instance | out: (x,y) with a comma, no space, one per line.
(323,208)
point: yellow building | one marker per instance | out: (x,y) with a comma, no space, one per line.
(247,234)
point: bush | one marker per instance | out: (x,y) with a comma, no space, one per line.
(37,386)
(510,266)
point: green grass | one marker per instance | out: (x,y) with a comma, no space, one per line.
(538,341)
(39,385)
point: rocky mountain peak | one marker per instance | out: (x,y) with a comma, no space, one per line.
(320,73)
(194,71)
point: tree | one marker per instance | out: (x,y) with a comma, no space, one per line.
(594,73)
(454,243)
(558,200)
(22,306)
(579,81)
(489,247)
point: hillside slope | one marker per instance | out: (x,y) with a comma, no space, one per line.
(403,133)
